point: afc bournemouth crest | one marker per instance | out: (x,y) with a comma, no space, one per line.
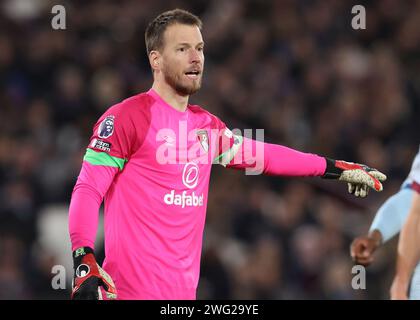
(204,139)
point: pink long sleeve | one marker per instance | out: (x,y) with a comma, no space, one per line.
(280,160)
(273,159)
(91,186)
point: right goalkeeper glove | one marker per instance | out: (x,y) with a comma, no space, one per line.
(89,277)
(359,177)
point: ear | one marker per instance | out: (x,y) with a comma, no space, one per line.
(155,60)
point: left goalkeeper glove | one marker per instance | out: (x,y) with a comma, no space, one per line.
(89,277)
(359,177)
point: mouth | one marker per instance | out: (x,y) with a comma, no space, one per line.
(193,74)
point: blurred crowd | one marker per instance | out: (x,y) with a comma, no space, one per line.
(295,68)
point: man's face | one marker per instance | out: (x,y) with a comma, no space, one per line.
(182,58)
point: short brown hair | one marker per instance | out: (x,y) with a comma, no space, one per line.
(155,30)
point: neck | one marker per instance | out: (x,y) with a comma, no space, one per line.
(170,96)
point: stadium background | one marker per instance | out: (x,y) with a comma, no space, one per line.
(295,68)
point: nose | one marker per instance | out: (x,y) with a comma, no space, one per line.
(195,56)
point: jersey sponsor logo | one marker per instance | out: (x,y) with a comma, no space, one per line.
(101,145)
(204,139)
(184,200)
(190,175)
(106,128)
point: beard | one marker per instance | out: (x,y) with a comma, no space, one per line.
(183,88)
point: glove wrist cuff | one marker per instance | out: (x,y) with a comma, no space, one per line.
(331,170)
(80,253)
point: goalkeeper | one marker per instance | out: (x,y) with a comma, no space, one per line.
(388,222)
(149,159)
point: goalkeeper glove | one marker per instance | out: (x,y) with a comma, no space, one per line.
(359,177)
(89,277)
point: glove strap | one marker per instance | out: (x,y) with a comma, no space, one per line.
(80,253)
(331,171)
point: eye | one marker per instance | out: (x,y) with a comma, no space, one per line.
(182,49)
(200,49)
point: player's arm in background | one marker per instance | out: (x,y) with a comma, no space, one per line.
(408,254)
(113,139)
(387,223)
(272,159)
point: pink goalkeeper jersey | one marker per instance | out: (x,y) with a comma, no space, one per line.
(151,164)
